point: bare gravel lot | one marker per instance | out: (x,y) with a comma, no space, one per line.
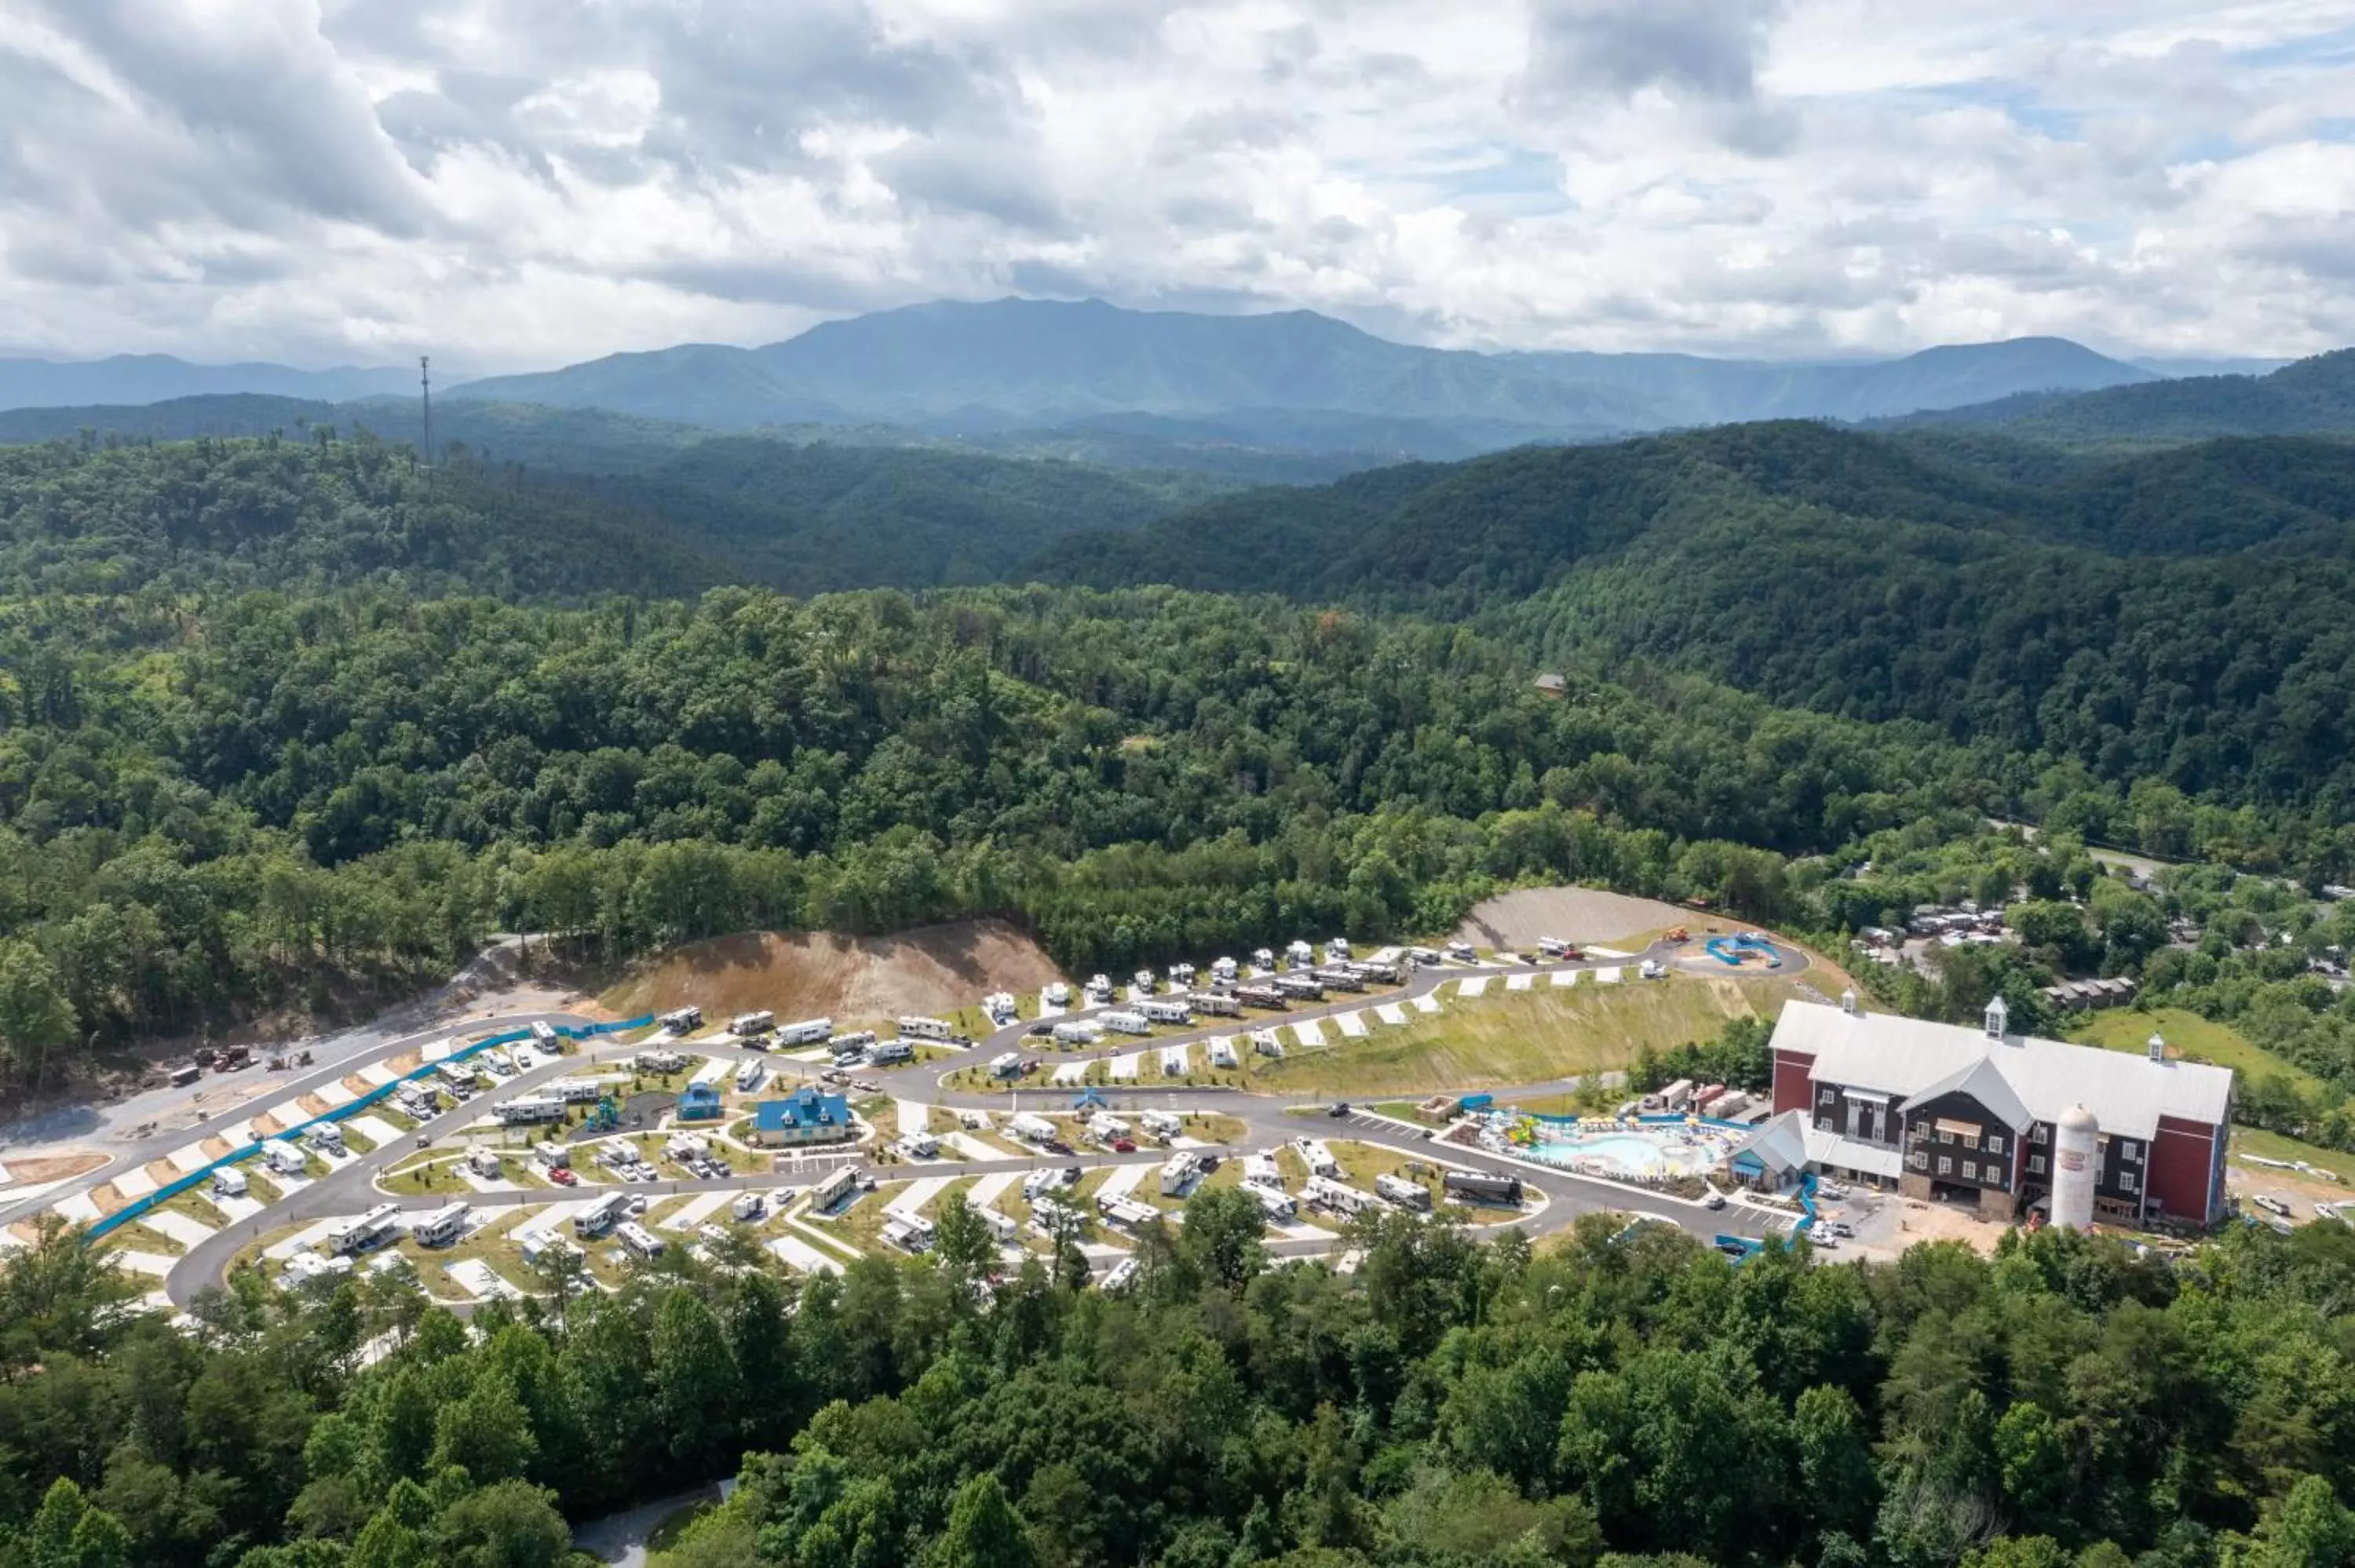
(1574,914)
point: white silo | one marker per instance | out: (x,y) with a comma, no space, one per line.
(2076,1163)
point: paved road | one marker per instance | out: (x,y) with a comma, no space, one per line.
(1268,1120)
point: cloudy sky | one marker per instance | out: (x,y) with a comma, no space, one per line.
(521,183)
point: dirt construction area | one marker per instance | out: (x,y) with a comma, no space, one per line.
(1574,914)
(933,970)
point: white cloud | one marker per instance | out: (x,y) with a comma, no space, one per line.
(514,182)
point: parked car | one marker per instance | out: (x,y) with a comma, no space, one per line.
(563,1178)
(1338,1107)
(1123,1146)
(1041,1030)
(1056,1146)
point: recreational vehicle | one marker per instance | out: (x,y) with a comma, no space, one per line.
(1319,1158)
(1299,953)
(1119,1276)
(1336,949)
(1162,1123)
(749,1076)
(1339,978)
(908,1233)
(553,1155)
(679,1021)
(1222,1054)
(1001,1225)
(919,1145)
(1127,1212)
(1105,1126)
(1142,982)
(484,1162)
(283,1158)
(1264,1042)
(1301,987)
(1323,1192)
(1030,1129)
(543,1034)
(833,1190)
(1127,1023)
(658,1062)
(371,1229)
(641,1242)
(1181,977)
(1006,1065)
(1275,1203)
(1261,996)
(746,1025)
(1479,1187)
(890,1053)
(602,1215)
(1218,1004)
(747,1206)
(443,1227)
(1224,970)
(1077,1033)
(526,1110)
(1262,959)
(1179,1174)
(228,1182)
(1057,994)
(1413,1196)
(325,1137)
(808,1031)
(1259,1170)
(1173,1010)
(928,1028)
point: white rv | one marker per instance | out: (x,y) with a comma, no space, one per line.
(1259,1170)
(1318,1157)
(746,1025)
(808,1031)
(679,1021)
(526,1110)
(1275,1205)
(1127,1023)
(228,1182)
(325,1137)
(658,1062)
(1006,1065)
(1298,953)
(1162,1123)
(443,1227)
(1120,1277)
(1224,970)
(1222,1054)
(1174,1010)
(1076,1034)
(747,1206)
(917,1146)
(833,1190)
(484,1162)
(1413,1196)
(283,1158)
(1179,1174)
(602,1215)
(1127,1212)
(368,1230)
(928,1028)
(749,1076)
(1030,1129)
(1105,1126)
(1056,995)
(642,1243)
(1323,1192)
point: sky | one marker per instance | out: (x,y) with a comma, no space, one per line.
(521,184)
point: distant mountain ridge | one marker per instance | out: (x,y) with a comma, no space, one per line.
(973,368)
(130,378)
(2306,397)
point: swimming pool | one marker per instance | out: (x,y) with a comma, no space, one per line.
(1637,1153)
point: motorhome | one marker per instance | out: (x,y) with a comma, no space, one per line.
(1675,1096)
(1142,982)
(1264,1042)
(1006,1065)
(1275,1203)
(854,1043)
(1260,1171)
(658,1062)
(833,1190)
(543,1034)
(1299,953)
(1222,1054)
(1301,987)
(602,1215)
(808,1031)
(283,1158)
(1030,1129)
(1464,952)
(1217,1004)
(1181,977)
(553,1155)
(1050,1216)
(544,1248)
(749,1023)
(228,1182)
(1179,1173)
(1651,969)
(1224,970)
(1127,1212)
(747,1206)
(641,1242)
(526,1110)
(1057,994)
(927,1028)
(484,1162)
(1318,1157)
(1324,1193)
(680,1020)
(574,1091)
(1174,1011)
(684,1145)
(1119,1276)
(1077,1033)
(1479,1187)
(1262,959)
(1424,955)
(460,1076)
(890,1053)
(1378,971)
(1127,1023)
(1261,996)
(371,1229)
(749,1076)
(1336,977)
(443,1227)
(1413,1196)
(1001,1007)
(919,1145)
(499,1063)
(1001,1225)
(1105,1126)
(1162,1123)
(325,1137)
(1553,947)
(1098,990)
(908,1233)
(1336,949)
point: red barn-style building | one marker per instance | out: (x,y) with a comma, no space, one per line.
(1942,1112)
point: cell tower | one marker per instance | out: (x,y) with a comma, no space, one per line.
(425,397)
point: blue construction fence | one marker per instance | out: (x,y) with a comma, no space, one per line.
(203,1174)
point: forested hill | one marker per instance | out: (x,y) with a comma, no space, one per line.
(76,517)
(2312,396)
(2182,614)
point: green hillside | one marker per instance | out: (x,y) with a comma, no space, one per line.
(2311,398)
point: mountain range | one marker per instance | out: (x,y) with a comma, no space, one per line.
(130,378)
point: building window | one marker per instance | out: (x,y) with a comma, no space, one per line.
(1995,1143)
(2036,1165)
(2130,1149)
(2127,1182)
(1919,1159)
(1827,1097)
(1970,1170)
(2040,1132)
(1945,1166)
(1946,1135)
(1995,1178)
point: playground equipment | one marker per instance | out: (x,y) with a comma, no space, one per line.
(605,1115)
(1734,949)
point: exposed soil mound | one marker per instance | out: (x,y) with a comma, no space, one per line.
(934,971)
(1518,919)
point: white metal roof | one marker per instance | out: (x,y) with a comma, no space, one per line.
(1780,1142)
(2127,1093)
(1852,1154)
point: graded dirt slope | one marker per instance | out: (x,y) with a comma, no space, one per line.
(852,979)
(1518,919)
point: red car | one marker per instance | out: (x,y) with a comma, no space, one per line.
(562,1177)
(1123,1146)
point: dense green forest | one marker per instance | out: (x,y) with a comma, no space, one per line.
(2312,396)
(2179,615)
(1629,1401)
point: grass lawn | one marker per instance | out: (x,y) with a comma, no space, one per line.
(859,1226)
(429,1174)
(1523,1037)
(2274,1146)
(2196,1038)
(136,1238)
(195,1208)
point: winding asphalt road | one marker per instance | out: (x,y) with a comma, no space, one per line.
(1270,1120)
